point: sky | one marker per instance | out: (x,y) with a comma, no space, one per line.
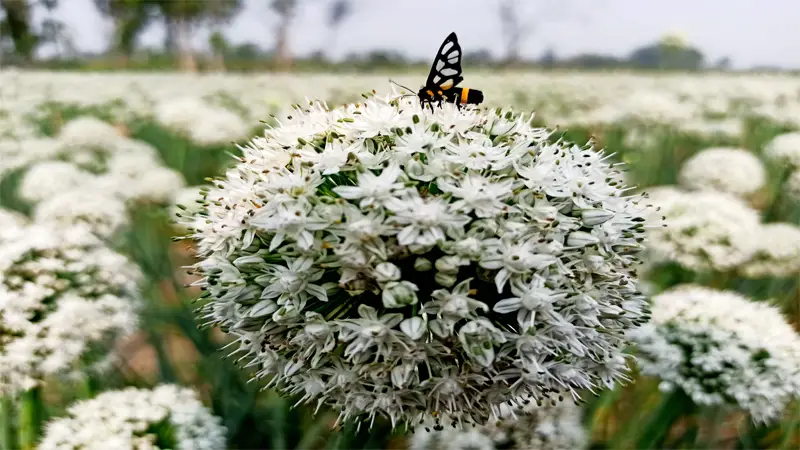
(751,32)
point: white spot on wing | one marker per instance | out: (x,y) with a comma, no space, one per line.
(448,72)
(446,48)
(439,64)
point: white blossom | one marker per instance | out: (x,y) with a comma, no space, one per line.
(11,223)
(63,296)
(703,230)
(166,417)
(88,132)
(721,348)
(104,213)
(371,282)
(732,170)
(777,252)
(46,179)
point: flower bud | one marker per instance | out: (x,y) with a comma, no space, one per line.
(581,239)
(398,294)
(448,264)
(413,327)
(423,264)
(592,217)
(445,279)
(386,272)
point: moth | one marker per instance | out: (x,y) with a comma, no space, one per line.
(444,77)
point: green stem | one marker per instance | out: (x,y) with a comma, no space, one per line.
(7,438)
(672,407)
(31,417)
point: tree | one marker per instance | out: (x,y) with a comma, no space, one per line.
(130,18)
(338,12)
(668,57)
(185,15)
(517,25)
(219,47)
(286,10)
(56,33)
(17,27)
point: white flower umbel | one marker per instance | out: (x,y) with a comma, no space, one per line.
(201,122)
(166,417)
(703,230)
(11,222)
(390,260)
(777,253)
(545,427)
(722,349)
(104,213)
(785,149)
(88,132)
(732,170)
(49,178)
(64,297)
(17,153)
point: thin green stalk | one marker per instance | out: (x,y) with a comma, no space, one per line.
(673,406)
(7,438)
(31,418)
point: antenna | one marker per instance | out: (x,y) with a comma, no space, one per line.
(393,82)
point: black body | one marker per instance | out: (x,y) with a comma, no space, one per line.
(444,77)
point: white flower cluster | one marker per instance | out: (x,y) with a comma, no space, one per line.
(545,427)
(732,170)
(86,133)
(166,417)
(10,224)
(16,152)
(201,122)
(63,295)
(720,348)
(49,178)
(777,252)
(703,230)
(105,213)
(392,260)
(90,155)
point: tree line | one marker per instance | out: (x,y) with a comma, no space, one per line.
(20,38)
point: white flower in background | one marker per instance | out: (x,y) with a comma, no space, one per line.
(11,222)
(777,253)
(732,170)
(785,149)
(722,349)
(18,153)
(166,417)
(703,230)
(89,132)
(63,297)
(187,202)
(546,427)
(49,178)
(142,181)
(158,185)
(103,212)
(201,122)
(438,280)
